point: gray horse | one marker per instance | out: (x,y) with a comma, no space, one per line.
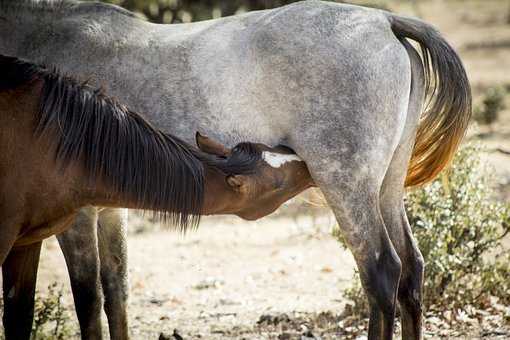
(339,84)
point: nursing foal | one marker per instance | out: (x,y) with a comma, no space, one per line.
(66,145)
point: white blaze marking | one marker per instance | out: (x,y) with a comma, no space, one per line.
(276,160)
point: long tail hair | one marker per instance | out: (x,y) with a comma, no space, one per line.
(448,107)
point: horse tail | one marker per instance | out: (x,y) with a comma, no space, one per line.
(448,104)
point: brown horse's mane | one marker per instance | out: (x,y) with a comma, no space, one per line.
(119,147)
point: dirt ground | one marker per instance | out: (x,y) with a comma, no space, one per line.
(283,278)
(216,282)
(278,278)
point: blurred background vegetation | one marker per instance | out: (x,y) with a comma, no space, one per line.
(183,11)
(179,11)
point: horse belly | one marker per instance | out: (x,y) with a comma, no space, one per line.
(41,232)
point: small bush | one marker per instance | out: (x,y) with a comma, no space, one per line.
(51,319)
(161,11)
(459,227)
(493,102)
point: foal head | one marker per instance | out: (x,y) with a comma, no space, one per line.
(279,175)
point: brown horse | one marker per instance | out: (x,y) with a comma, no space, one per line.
(65,145)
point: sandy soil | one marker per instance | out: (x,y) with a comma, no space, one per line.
(225,275)
(277,278)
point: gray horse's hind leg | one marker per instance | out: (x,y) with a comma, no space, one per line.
(358,215)
(349,146)
(411,281)
(395,219)
(352,191)
(79,246)
(112,232)
(348,141)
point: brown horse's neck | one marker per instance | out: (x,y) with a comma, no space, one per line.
(45,194)
(217,195)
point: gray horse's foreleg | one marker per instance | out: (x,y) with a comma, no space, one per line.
(112,233)
(79,246)
(19,272)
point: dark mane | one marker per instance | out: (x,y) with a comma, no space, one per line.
(119,146)
(243,158)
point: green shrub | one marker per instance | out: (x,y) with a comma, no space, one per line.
(176,11)
(493,102)
(51,319)
(459,227)
(380,4)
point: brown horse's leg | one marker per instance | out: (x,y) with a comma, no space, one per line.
(79,246)
(113,254)
(19,272)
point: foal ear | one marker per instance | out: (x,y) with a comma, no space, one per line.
(211,146)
